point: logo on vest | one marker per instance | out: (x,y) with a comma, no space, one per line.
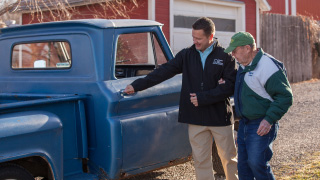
(218,62)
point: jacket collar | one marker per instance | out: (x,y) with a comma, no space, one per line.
(254,62)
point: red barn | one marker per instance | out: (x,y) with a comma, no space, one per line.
(296,7)
(230,16)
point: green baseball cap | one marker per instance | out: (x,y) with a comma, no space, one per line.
(239,39)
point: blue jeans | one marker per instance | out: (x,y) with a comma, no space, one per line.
(254,151)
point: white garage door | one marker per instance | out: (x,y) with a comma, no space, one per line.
(228,18)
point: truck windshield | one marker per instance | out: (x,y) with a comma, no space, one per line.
(43,55)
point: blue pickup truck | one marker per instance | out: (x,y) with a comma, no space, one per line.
(63,112)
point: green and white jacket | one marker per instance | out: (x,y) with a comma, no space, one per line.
(262,90)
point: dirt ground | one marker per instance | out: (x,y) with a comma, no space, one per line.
(298,135)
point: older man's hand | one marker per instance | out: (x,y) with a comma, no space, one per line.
(264,128)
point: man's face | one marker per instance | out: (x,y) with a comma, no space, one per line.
(200,40)
(241,53)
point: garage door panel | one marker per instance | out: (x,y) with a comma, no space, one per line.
(181,39)
(197,8)
(220,11)
(185,6)
(225,25)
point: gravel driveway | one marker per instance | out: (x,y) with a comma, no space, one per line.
(298,135)
(300,127)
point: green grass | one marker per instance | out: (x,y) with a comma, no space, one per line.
(306,168)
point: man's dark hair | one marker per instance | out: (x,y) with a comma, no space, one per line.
(205,24)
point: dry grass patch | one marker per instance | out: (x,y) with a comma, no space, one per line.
(307,167)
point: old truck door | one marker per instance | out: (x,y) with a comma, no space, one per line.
(151,135)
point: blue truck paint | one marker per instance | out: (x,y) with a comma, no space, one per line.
(76,119)
(32,130)
(39,125)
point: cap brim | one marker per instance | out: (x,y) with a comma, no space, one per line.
(229,49)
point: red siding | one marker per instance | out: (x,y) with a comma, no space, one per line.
(251,23)
(162,16)
(304,7)
(290,11)
(96,11)
(309,8)
(277,6)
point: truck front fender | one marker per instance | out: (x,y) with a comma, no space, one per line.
(30,133)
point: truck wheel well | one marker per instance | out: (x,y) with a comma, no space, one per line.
(36,165)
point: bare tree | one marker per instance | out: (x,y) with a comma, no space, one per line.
(57,10)
(6,7)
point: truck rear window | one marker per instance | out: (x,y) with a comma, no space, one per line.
(41,55)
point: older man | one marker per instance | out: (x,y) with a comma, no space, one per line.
(262,96)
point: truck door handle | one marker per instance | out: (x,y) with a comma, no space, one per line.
(123,94)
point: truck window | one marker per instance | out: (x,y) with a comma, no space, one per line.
(137,54)
(41,55)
